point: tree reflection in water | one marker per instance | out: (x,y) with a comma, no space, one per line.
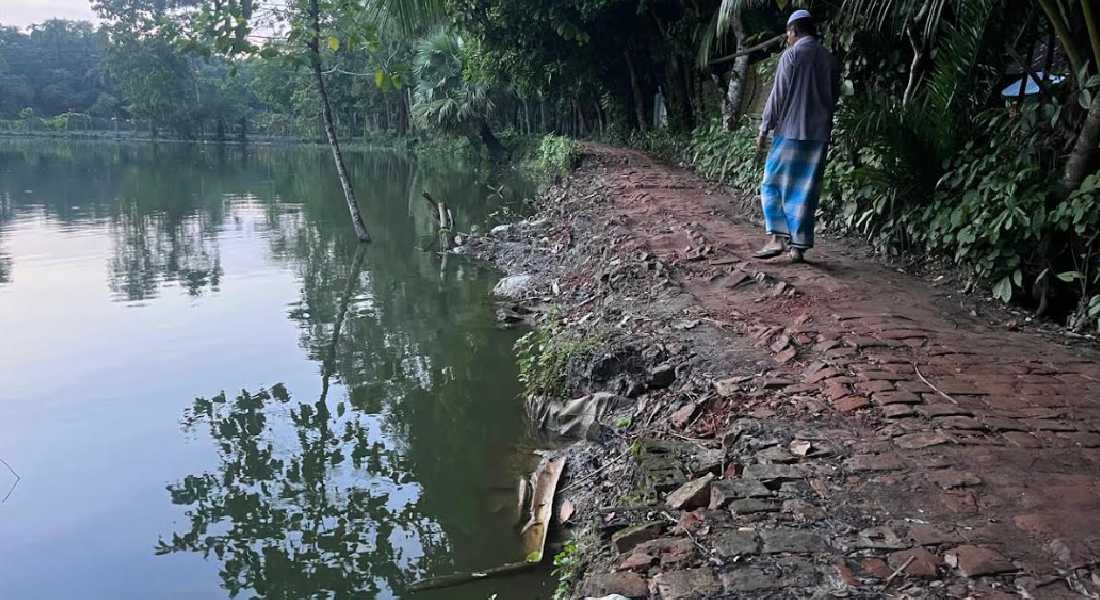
(383,477)
(286,512)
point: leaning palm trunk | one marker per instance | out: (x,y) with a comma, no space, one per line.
(735,91)
(330,127)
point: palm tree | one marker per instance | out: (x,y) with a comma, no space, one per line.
(444,100)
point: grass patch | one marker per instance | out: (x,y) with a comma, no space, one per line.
(544,355)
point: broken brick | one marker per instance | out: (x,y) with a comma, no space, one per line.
(851,403)
(923,563)
(976,561)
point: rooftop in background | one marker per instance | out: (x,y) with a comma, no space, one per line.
(24,13)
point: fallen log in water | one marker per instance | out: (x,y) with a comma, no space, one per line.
(445,581)
(533,534)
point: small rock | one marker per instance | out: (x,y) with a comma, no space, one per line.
(921,439)
(661,376)
(789,539)
(728,387)
(623,583)
(773,472)
(674,552)
(515,286)
(637,561)
(924,564)
(500,230)
(898,411)
(625,540)
(976,561)
(703,521)
(688,584)
(707,460)
(787,355)
(775,454)
(875,567)
(851,403)
(791,574)
(682,417)
(693,494)
(749,506)
(737,542)
(800,447)
(724,491)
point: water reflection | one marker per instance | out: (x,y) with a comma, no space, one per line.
(378,472)
(287,513)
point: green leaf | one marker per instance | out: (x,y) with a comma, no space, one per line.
(333,43)
(380,78)
(1094,306)
(1069,276)
(534,557)
(1018,278)
(1003,290)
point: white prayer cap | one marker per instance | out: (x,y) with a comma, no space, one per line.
(798,14)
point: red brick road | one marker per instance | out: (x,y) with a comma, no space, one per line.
(985,441)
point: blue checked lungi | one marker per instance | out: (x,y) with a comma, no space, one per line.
(792,185)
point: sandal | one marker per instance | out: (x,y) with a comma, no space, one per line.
(769,251)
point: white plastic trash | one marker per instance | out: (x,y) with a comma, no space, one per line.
(1032,86)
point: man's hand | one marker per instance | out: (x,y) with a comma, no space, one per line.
(761,142)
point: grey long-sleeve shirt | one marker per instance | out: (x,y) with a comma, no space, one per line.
(805,92)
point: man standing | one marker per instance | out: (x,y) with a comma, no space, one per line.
(800,113)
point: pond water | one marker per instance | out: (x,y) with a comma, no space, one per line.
(210,389)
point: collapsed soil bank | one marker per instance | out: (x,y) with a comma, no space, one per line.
(759,430)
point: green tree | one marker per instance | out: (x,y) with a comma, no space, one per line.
(156,80)
(444,99)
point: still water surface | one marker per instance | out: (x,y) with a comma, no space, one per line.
(211,390)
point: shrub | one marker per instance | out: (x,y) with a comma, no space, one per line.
(557,155)
(726,157)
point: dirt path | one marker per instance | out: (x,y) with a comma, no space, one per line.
(827,429)
(1003,453)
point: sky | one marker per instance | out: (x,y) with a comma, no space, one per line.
(22,13)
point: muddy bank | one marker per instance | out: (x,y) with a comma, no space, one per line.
(753,430)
